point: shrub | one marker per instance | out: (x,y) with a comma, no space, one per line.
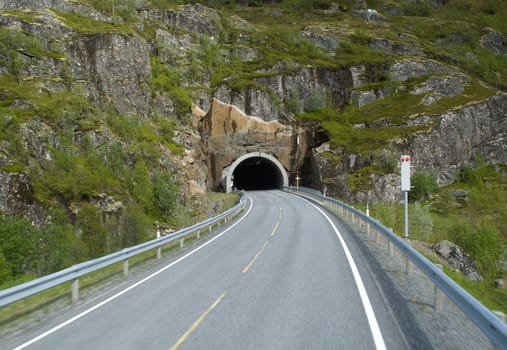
(93,231)
(59,248)
(419,8)
(72,177)
(165,194)
(316,101)
(423,185)
(135,226)
(142,186)
(19,242)
(169,81)
(5,272)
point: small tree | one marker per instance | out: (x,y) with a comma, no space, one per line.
(423,185)
(5,272)
(93,230)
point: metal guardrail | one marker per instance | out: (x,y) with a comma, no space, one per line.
(73,273)
(483,318)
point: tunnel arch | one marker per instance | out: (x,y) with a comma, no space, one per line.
(269,172)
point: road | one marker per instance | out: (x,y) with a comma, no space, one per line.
(279,277)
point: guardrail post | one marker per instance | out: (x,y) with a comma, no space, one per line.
(182,242)
(408,266)
(159,253)
(367,223)
(198,234)
(74,290)
(125,267)
(439,295)
(500,315)
(389,244)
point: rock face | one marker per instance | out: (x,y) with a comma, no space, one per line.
(113,68)
(228,133)
(309,86)
(494,41)
(115,71)
(457,259)
(459,135)
(60,5)
(16,197)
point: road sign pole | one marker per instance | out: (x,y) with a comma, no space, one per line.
(405,195)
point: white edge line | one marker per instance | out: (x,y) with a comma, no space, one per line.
(370,314)
(111,298)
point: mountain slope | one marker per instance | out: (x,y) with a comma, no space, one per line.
(98,136)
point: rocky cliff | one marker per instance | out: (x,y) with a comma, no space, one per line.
(73,74)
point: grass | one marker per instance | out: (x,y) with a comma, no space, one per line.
(478,223)
(88,25)
(395,109)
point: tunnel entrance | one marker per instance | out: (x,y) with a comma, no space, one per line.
(257,174)
(255,171)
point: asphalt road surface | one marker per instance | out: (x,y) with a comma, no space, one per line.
(279,277)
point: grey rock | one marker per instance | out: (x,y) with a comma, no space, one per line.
(500,283)
(460,135)
(411,68)
(447,86)
(430,99)
(196,18)
(460,194)
(394,48)
(16,197)
(107,204)
(361,98)
(494,41)
(455,257)
(117,66)
(60,5)
(324,41)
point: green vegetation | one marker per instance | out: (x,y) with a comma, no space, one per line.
(91,26)
(423,184)
(169,81)
(15,44)
(477,222)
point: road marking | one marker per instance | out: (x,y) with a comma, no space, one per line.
(279,220)
(247,267)
(197,322)
(111,298)
(245,270)
(275,228)
(370,314)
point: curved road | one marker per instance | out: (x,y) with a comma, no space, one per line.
(279,277)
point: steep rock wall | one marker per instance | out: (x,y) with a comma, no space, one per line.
(113,68)
(229,133)
(459,136)
(454,140)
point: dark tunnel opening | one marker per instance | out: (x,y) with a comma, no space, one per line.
(257,173)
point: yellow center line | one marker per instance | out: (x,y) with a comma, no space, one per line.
(245,270)
(198,322)
(279,220)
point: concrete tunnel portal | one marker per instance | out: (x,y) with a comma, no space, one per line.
(255,171)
